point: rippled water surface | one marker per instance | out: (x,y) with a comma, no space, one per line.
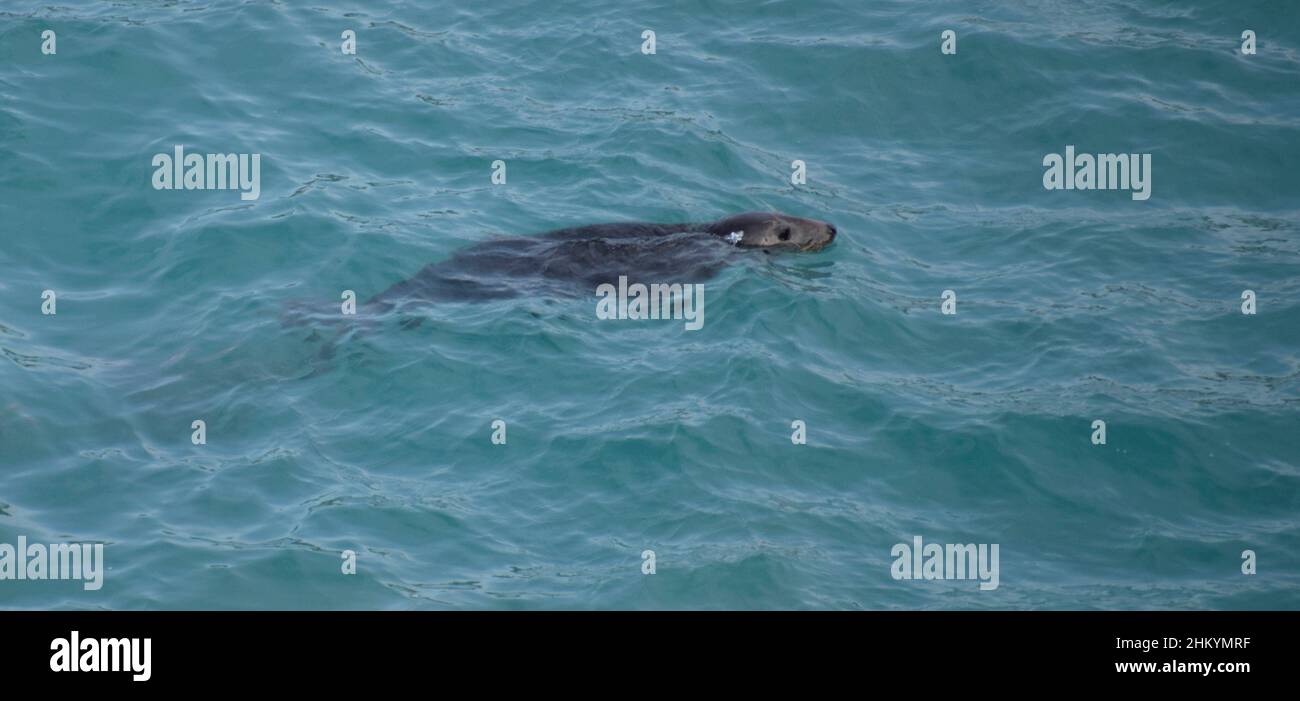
(629,436)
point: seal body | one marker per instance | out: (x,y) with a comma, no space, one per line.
(577,260)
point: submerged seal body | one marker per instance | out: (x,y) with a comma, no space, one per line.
(582,258)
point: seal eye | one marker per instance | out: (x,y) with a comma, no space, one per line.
(785,234)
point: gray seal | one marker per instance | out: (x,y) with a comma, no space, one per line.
(577,260)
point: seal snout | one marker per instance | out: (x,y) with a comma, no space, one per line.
(821,240)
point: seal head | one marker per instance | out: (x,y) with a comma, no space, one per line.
(773,231)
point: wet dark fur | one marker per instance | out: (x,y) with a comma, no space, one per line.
(577,260)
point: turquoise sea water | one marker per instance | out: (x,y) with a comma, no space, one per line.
(623,436)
